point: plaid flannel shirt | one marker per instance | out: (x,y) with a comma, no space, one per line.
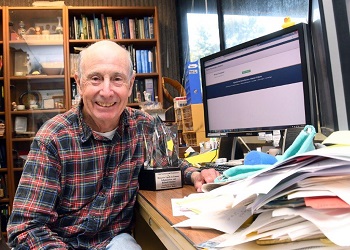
(78,189)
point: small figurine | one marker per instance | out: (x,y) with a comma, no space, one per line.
(37,30)
(21,30)
(148,96)
(14,106)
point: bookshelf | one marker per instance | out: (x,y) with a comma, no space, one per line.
(37,71)
(4,169)
(135,28)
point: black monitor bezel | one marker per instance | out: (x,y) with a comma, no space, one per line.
(307,75)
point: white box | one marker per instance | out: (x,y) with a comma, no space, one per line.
(49,103)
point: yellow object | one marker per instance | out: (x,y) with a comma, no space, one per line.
(341,138)
(287,22)
(209,156)
(170,145)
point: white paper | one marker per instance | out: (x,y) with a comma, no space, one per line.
(227,221)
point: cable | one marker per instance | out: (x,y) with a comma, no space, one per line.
(243,142)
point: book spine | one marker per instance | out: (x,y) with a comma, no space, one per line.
(132,28)
(146,28)
(104,27)
(138,62)
(149,87)
(151,27)
(127,29)
(76,28)
(92,28)
(144,59)
(84,27)
(110,27)
(150,62)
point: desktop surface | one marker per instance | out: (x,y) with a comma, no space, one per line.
(155,207)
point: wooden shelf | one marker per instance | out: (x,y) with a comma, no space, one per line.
(42,47)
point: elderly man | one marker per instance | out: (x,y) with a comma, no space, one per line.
(79,184)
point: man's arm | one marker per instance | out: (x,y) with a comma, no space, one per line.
(34,203)
(196,177)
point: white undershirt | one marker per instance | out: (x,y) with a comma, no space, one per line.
(108,134)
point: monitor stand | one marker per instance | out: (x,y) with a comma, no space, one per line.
(230,148)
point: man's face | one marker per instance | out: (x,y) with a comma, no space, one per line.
(104,87)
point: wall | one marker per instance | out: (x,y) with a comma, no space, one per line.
(167,27)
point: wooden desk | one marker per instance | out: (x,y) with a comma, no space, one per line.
(155,208)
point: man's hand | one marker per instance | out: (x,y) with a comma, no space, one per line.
(205,176)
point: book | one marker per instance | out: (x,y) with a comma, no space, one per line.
(141,29)
(76,28)
(123,28)
(81,29)
(146,28)
(127,29)
(149,87)
(104,27)
(141,89)
(151,27)
(132,28)
(84,27)
(118,28)
(150,68)
(110,26)
(144,60)
(96,26)
(138,61)
(92,28)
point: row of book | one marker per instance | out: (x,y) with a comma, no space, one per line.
(107,27)
(143,60)
(141,86)
(148,85)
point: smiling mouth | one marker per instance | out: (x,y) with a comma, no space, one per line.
(102,104)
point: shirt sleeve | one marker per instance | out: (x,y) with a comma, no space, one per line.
(34,203)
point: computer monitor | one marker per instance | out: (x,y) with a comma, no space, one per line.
(330,29)
(264,84)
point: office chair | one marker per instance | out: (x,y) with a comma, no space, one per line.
(177,85)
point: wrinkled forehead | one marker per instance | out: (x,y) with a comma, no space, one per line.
(109,55)
(101,57)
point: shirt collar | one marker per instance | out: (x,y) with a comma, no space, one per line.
(86,131)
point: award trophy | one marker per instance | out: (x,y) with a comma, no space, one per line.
(160,170)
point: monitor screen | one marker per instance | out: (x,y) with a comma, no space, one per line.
(262,85)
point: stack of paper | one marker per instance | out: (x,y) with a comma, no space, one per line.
(303,198)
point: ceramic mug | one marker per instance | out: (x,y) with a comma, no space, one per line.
(21,107)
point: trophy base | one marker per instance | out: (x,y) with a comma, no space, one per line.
(160,178)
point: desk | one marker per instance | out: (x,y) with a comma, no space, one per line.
(155,208)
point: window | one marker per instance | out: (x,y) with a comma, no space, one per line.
(247,19)
(203,35)
(207,26)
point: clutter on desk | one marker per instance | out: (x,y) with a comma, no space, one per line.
(297,202)
(160,170)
